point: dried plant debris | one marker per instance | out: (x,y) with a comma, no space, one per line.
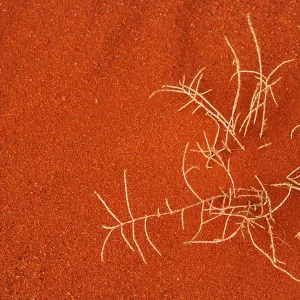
(241,210)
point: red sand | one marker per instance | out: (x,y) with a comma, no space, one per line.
(74,85)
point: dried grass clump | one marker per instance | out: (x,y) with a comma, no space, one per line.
(239,209)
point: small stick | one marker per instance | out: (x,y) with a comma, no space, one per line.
(168,206)
(107,208)
(215,241)
(252,104)
(148,237)
(263,122)
(185,173)
(271,238)
(293,130)
(200,74)
(258,55)
(293,172)
(226,223)
(279,66)
(265,146)
(187,104)
(283,201)
(125,238)
(104,244)
(126,195)
(182,219)
(158,213)
(201,223)
(237,95)
(136,243)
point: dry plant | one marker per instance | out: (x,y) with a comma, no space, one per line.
(237,209)
(258,211)
(132,222)
(242,210)
(258,103)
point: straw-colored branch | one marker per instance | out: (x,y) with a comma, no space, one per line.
(126,195)
(136,243)
(237,95)
(215,241)
(293,174)
(185,173)
(107,208)
(148,237)
(125,238)
(293,130)
(182,218)
(264,146)
(104,244)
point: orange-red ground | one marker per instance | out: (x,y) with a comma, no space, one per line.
(75,78)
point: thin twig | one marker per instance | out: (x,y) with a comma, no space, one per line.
(293,130)
(265,146)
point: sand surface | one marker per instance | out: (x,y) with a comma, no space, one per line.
(75,81)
